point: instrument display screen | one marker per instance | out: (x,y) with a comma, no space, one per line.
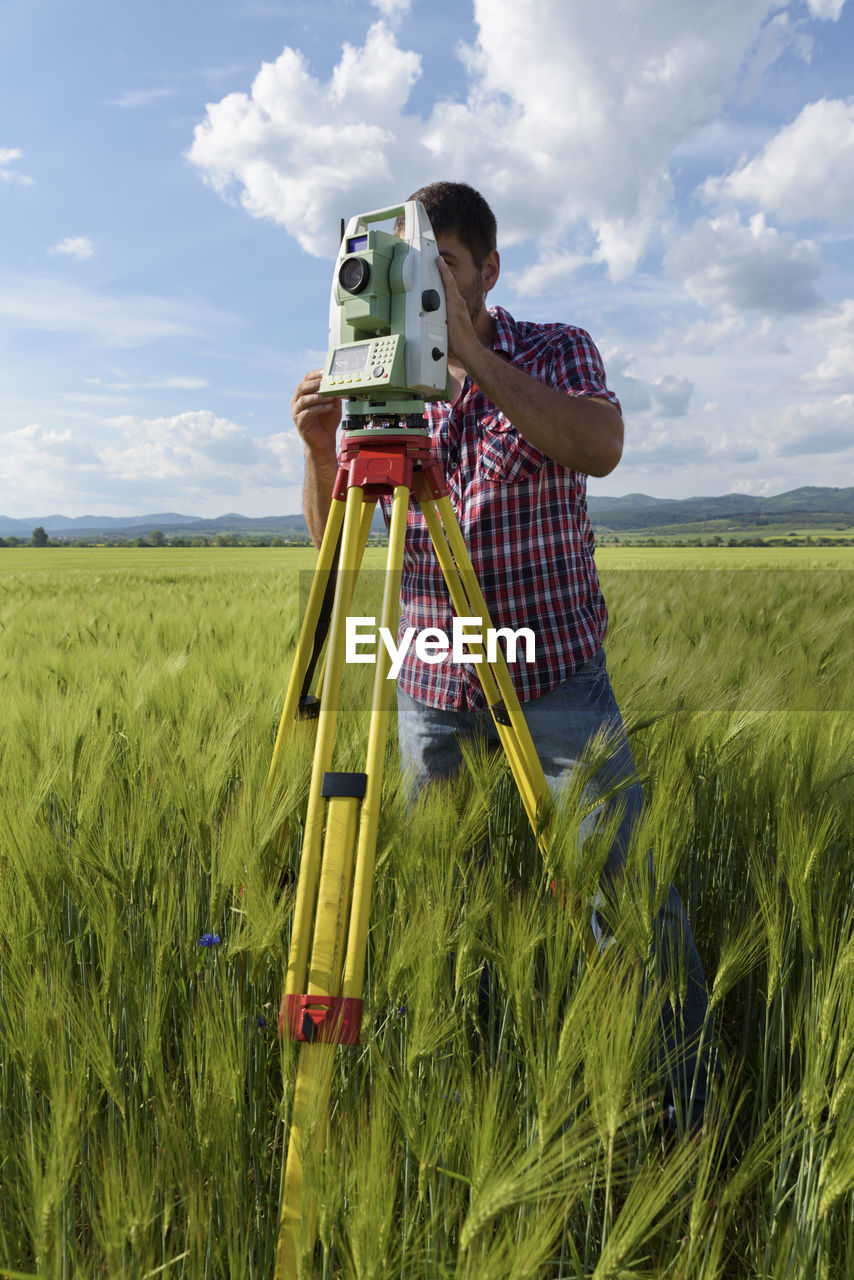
(350,359)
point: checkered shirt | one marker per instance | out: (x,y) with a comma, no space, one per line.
(525,524)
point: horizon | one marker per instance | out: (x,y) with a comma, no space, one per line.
(171,183)
(287,515)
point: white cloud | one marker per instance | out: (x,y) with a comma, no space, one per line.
(563,121)
(671,395)
(288,450)
(200,449)
(196,443)
(633,392)
(662,396)
(580,130)
(778,36)
(304,152)
(830,10)
(177,383)
(8,156)
(75,247)
(832,337)
(818,428)
(805,171)
(661,449)
(61,307)
(551,273)
(142,97)
(159,463)
(180,383)
(734,450)
(724,263)
(757,413)
(38,449)
(392,10)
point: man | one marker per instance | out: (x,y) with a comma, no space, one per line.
(529,419)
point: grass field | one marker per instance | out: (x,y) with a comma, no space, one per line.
(273,560)
(835,531)
(144,1093)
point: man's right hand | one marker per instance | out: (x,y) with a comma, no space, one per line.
(316,416)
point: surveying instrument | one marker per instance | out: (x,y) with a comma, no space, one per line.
(387,356)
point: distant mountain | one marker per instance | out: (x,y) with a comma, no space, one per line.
(633,511)
(637,511)
(62,528)
(628,500)
(66,525)
(235,523)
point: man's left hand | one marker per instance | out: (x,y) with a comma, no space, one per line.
(462,338)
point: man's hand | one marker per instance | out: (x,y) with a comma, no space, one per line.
(317,419)
(462,337)
(581,432)
(316,416)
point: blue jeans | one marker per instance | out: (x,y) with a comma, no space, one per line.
(562,723)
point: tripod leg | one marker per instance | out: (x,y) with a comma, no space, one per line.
(350,800)
(364,530)
(305,644)
(468,601)
(354,968)
(304,904)
(316,1061)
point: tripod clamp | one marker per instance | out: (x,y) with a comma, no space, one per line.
(377,459)
(321,1019)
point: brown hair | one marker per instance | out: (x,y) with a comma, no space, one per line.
(455,208)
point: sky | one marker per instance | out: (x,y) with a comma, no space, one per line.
(674,176)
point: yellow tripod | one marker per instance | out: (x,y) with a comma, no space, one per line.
(322,1004)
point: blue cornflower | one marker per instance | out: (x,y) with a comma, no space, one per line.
(260,1021)
(210,940)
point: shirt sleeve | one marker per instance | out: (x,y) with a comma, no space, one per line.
(578,368)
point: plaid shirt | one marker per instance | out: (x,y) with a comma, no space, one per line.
(525,524)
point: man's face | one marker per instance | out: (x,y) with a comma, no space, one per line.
(473,282)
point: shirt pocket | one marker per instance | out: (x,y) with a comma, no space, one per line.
(503,455)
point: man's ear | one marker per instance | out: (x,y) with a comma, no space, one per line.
(491,270)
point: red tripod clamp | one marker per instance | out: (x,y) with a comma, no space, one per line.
(378,466)
(321,1019)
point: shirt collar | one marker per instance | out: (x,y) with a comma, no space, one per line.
(505,331)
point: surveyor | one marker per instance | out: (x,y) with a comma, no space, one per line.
(529,418)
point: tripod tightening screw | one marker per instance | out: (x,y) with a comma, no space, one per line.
(347,786)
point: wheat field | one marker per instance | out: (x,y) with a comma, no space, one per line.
(144,922)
